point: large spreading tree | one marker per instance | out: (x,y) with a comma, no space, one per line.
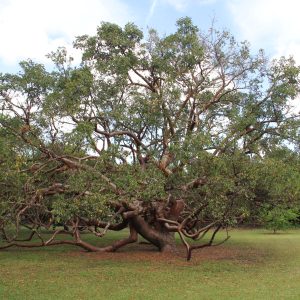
(161,135)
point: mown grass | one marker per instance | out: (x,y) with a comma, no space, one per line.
(253,264)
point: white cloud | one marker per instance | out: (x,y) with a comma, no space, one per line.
(151,10)
(181,5)
(270,24)
(33,28)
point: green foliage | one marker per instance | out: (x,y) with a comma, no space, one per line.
(191,115)
(278,217)
(140,185)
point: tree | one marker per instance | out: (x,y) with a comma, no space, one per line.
(278,218)
(162,135)
(277,194)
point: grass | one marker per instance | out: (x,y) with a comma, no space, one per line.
(253,264)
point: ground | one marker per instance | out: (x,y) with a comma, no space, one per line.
(253,264)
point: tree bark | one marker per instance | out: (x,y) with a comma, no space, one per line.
(159,236)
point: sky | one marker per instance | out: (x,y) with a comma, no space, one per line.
(33,28)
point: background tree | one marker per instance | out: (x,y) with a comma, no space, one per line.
(278,218)
(162,135)
(277,193)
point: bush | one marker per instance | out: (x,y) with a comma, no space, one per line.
(278,218)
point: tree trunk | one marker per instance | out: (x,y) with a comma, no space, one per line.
(156,233)
(159,236)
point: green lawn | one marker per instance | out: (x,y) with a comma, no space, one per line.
(253,264)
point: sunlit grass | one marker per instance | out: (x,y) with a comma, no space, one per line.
(253,264)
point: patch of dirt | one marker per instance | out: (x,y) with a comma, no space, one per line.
(150,254)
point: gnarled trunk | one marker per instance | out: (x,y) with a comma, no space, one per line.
(160,236)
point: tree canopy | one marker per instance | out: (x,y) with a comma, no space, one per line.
(184,133)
